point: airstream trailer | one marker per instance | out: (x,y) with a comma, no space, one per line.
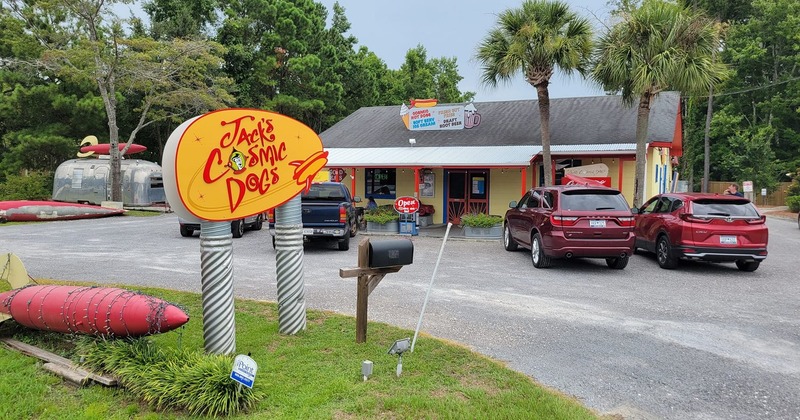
(87,181)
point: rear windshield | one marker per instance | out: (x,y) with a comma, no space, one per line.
(324,192)
(588,200)
(724,208)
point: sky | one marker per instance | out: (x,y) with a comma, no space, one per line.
(449,28)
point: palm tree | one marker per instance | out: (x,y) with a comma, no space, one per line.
(656,47)
(533,40)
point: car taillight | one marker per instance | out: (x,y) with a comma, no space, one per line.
(760,221)
(271,215)
(626,221)
(690,218)
(563,220)
(342,214)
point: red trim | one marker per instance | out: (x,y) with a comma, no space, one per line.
(353,181)
(416,183)
(524,181)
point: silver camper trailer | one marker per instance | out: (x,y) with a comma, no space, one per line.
(87,181)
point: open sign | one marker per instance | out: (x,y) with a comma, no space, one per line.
(406,205)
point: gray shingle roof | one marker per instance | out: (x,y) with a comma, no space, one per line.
(573,121)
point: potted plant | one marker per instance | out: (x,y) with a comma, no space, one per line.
(480,225)
(382,219)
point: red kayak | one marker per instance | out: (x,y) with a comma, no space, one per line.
(105,148)
(28,211)
(100,311)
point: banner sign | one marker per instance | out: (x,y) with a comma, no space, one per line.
(426,115)
(234,163)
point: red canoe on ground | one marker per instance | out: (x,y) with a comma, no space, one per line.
(29,211)
(101,311)
(105,148)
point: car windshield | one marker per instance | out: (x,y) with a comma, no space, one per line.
(588,200)
(724,208)
(324,192)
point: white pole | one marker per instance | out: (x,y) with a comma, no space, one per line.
(428,293)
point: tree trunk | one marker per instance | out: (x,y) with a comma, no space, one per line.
(642,121)
(707,141)
(544,115)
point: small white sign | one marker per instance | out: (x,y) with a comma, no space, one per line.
(244,370)
(747,186)
(763,191)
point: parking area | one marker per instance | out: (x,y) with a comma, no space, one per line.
(704,341)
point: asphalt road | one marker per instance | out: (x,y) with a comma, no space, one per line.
(704,341)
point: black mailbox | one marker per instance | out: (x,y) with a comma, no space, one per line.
(391,252)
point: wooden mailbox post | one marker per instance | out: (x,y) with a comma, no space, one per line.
(368,279)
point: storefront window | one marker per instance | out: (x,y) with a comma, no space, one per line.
(381,183)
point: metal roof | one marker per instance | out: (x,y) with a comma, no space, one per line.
(464,156)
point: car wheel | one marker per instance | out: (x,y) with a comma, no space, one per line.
(617,263)
(344,244)
(237,228)
(508,242)
(186,232)
(353,229)
(259,222)
(747,265)
(664,253)
(540,260)
(273,242)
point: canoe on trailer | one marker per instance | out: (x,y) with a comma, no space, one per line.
(100,311)
(29,211)
(105,148)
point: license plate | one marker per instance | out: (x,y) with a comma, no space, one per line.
(727,240)
(308,231)
(597,223)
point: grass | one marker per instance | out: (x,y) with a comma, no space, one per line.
(315,374)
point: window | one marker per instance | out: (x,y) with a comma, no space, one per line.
(548,200)
(77,178)
(380,183)
(533,200)
(593,200)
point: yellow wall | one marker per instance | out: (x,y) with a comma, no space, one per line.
(504,186)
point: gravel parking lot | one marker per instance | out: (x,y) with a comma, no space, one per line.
(704,341)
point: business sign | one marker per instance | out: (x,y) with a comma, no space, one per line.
(426,115)
(244,370)
(747,186)
(234,163)
(406,205)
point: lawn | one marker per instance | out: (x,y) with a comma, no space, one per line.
(314,374)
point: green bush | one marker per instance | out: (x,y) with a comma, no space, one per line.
(794,203)
(481,220)
(382,215)
(34,186)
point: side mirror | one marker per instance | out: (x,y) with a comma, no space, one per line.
(512,204)
(356,199)
(635,210)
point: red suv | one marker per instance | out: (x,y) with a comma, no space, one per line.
(569,221)
(697,226)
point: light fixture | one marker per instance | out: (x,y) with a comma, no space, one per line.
(398,348)
(366,369)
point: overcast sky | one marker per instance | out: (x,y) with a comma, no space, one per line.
(449,28)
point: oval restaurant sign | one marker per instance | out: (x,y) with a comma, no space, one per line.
(234,163)
(406,205)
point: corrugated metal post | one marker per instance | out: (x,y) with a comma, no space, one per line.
(289,250)
(216,265)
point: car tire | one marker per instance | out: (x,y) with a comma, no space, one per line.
(259,222)
(664,255)
(344,244)
(237,228)
(274,246)
(617,263)
(540,260)
(748,266)
(353,229)
(186,232)
(508,242)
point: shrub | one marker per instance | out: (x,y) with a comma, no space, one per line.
(794,203)
(481,220)
(382,215)
(35,186)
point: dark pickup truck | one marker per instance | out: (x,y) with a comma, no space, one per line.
(329,214)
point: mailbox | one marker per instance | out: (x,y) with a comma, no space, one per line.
(391,252)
